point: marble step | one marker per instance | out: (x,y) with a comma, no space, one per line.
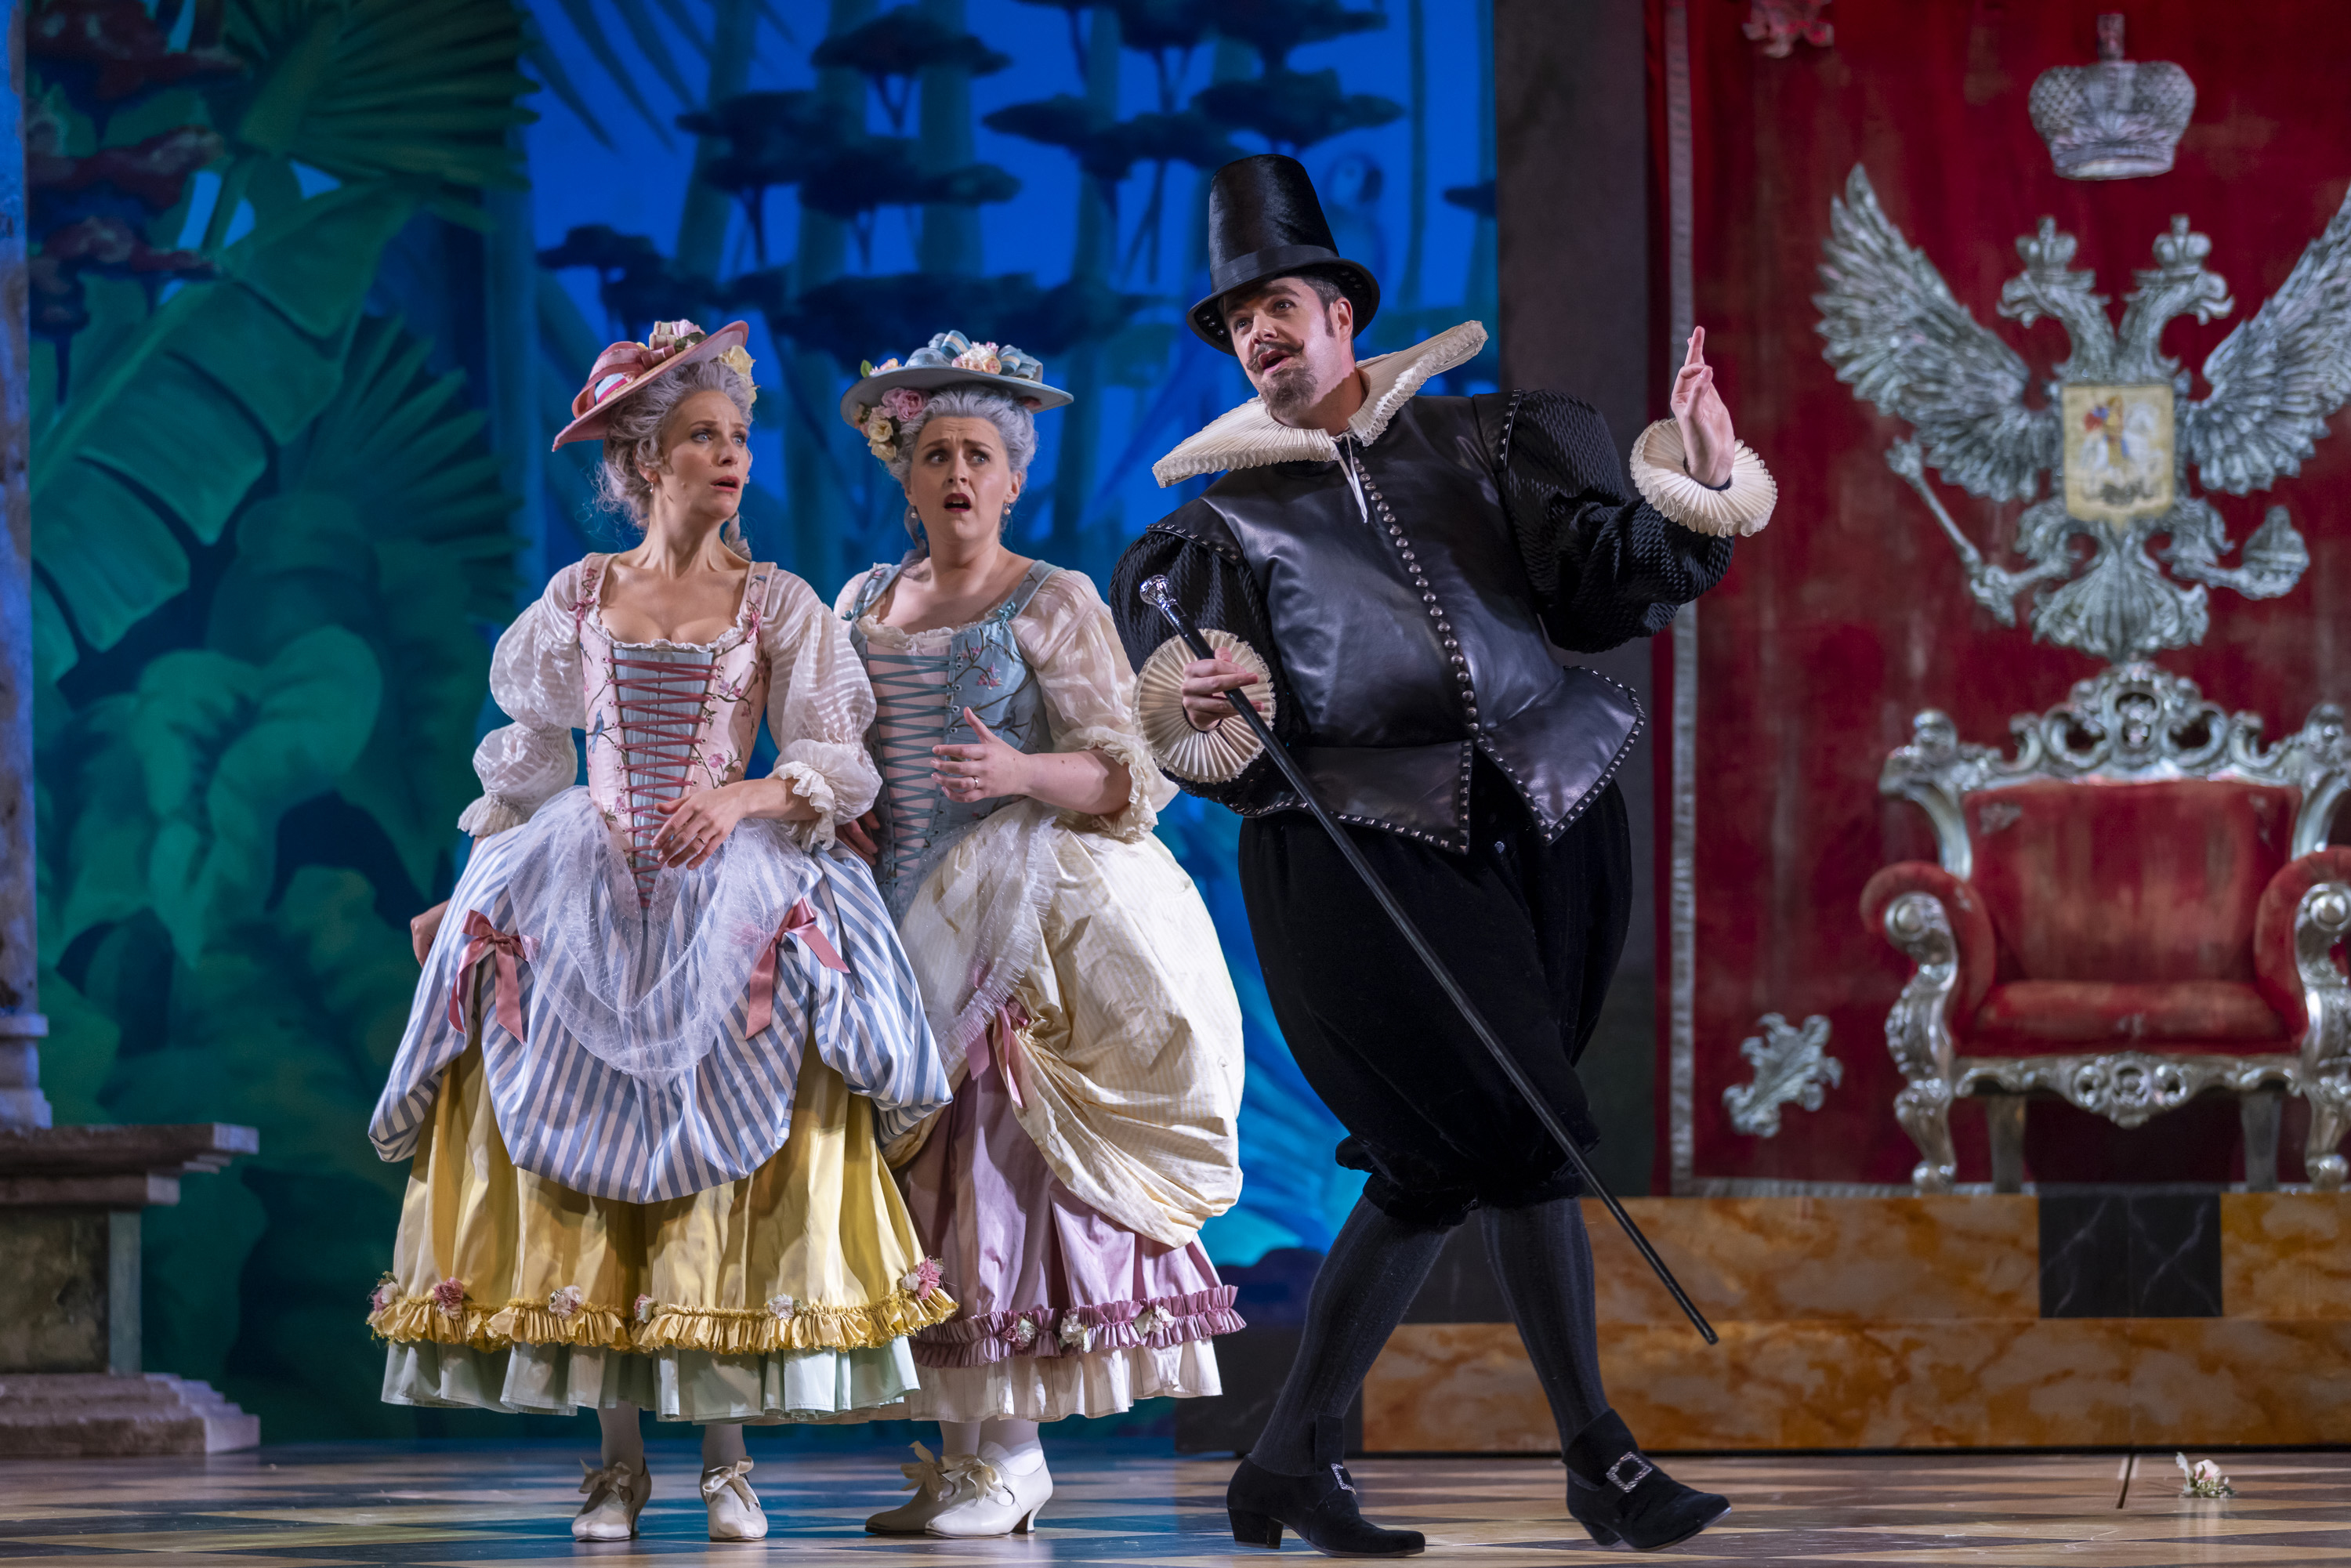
(64,1415)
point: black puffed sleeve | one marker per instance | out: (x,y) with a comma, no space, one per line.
(1205,572)
(1606,566)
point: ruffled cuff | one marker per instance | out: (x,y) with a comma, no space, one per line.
(1734,511)
(1199,756)
(834,776)
(1148,788)
(493,813)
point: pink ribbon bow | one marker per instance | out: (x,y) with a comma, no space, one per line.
(799,923)
(502,948)
(1005,1028)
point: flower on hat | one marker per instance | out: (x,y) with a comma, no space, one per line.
(735,358)
(905,402)
(981,357)
(881,434)
(670,336)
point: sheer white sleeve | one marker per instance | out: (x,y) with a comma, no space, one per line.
(1066,635)
(535,679)
(819,708)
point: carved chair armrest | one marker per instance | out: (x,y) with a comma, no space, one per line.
(2305,911)
(1970,928)
(2295,927)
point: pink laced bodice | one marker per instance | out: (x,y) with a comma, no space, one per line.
(666,719)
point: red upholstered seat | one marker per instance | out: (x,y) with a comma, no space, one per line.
(2029,1018)
(2124,915)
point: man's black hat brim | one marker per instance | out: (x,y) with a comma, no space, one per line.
(1265,223)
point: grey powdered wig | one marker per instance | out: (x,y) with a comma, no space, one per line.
(633,441)
(1012,422)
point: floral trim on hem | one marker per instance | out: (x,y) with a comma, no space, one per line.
(1159,1323)
(527,1320)
(429,1317)
(798,1325)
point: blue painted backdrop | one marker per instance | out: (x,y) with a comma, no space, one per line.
(312,284)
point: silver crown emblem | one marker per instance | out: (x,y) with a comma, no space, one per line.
(2117,120)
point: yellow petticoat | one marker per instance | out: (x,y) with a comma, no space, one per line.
(788,1295)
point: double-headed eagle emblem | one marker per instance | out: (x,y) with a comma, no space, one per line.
(2116,428)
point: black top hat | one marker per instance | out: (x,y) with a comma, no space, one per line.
(1265,222)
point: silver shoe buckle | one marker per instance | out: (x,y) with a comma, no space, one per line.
(1624,1484)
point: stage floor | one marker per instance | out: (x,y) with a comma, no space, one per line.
(464,1505)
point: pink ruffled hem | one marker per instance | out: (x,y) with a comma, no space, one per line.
(1054,1332)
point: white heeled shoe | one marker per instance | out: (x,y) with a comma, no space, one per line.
(616,1495)
(993,1497)
(935,1481)
(734,1512)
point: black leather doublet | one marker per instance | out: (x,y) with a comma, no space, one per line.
(1373,661)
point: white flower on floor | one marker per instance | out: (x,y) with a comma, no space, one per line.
(644,1309)
(781,1306)
(1024,1332)
(1149,1322)
(1075,1336)
(566,1301)
(2203,1478)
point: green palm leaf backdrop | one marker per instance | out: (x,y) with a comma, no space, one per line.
(270,539)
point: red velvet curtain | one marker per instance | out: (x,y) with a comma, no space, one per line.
(1850,613)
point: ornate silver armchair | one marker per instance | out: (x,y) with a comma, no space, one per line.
(2136,908)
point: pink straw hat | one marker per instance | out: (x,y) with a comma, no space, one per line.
(624,367)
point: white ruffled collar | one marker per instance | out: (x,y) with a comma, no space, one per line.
(1249,437)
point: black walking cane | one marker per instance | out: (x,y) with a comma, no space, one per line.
(1156,593)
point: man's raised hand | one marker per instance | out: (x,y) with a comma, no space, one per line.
(1708,444)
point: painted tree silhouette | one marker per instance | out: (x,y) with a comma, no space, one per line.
(768,138)
(896,48)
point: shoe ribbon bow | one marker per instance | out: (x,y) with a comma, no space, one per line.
(725,1478)
(612,1480)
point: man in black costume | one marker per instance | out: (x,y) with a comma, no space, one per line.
(1388,578)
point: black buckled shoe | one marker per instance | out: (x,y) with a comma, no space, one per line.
(1618,1493)
(1320,1506)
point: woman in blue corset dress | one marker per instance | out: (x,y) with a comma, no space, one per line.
(1070,971)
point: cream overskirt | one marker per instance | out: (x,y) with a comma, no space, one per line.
(1131,1071)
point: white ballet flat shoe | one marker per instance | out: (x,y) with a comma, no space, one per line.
(616,1495)
(935,1482)
(992,1498)
(734,1512)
